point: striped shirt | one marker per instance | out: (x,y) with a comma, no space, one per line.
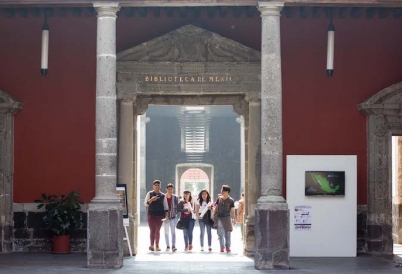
(172,206)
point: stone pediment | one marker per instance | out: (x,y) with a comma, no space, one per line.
(190,44)
(386,102)
(8,103)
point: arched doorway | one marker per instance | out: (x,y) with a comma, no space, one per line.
(194,177)
(194,180)
(384,120)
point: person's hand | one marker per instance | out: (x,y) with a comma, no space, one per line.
(210,207)
(188,210)
(154,198)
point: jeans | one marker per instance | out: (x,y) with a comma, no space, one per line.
(170,225)
(221,233)
(188,233)
(202,229)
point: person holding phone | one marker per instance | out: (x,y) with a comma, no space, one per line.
(157,210)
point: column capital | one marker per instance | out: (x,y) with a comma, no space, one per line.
(270,8)
(106,9)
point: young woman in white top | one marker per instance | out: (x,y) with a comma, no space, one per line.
(204,205)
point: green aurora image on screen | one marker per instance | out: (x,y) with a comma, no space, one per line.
(325,183)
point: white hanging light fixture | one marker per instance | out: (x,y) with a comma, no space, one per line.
(45,48)
(330,47)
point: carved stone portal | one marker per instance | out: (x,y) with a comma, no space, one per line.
(384,111)
(193,66)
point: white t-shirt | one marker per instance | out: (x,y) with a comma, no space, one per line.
(202,206)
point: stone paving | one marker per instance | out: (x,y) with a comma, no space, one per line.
(195,261)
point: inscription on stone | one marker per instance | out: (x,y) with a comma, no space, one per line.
(190,79)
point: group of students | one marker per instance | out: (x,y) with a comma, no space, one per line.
(164,208)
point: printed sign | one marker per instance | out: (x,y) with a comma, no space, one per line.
(302,218)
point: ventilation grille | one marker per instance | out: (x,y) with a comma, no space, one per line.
(194,124)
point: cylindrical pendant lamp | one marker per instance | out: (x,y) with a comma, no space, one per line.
(45,48)
(330,49)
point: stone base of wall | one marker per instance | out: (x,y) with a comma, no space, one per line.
(362,229)
(30,235)
(6,233)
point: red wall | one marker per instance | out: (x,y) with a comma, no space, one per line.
(320,114)
(55,131)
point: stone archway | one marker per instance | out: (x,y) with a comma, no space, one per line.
(190,66)
(384,111)
(8,108)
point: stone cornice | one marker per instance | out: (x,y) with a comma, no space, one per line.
(180,3)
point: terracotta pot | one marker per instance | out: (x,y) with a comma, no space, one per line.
(61,244)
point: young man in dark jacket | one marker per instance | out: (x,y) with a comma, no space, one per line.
(157,210)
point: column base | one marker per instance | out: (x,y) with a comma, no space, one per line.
(249,239)
(105,235)
(379,241)
(271,234)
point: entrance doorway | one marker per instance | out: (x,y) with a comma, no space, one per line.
(397,196)
(199,68)
(190,156)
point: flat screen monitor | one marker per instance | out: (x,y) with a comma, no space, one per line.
(325,183)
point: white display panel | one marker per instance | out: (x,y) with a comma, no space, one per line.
(333,231)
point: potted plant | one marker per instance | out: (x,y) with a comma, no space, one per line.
(62,213)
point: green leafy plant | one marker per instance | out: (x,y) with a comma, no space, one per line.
(62,213)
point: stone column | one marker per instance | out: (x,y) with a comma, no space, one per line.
(8,109)
(240,120)
(379,207)
(105,223)
(397,201)
(254,175)
(272,213)
(141,155)
(126,160)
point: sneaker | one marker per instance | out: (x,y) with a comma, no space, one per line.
(190,247)
(151,247)
(210,249)
(157,248)
(202,248)
(168,248)
(222,250)
(174,248)
(186,249)
(227,249)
